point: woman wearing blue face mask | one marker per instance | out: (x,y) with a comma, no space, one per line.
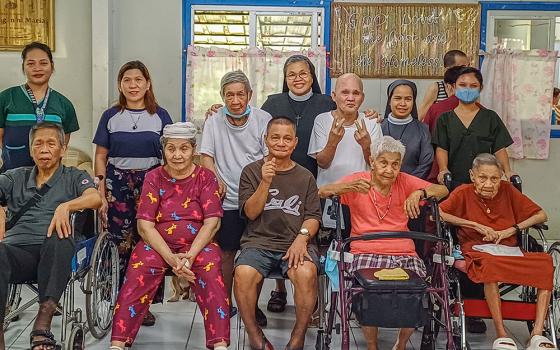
(469,130)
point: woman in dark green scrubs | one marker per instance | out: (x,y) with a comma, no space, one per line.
(460,135)
(469,130)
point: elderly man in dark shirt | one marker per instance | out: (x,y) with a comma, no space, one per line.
(281,201)
(37,242)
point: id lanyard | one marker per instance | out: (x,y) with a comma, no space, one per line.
(39,110)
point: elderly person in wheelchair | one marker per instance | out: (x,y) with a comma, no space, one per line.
(383,200)
(36,243)
(489,214)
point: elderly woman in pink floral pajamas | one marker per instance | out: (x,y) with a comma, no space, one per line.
(178,215)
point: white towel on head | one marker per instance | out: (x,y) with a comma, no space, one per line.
(180,130)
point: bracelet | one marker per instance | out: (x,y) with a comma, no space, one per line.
(517,229)
(424,193)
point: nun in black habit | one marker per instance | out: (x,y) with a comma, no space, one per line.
(401,123)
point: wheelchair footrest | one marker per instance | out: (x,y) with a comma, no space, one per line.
(511,310)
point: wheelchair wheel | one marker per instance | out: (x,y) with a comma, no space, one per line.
(102,286)
(554,312)
(14,298)
(76,338)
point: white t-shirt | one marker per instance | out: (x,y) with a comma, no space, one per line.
(233,147)
(349,157)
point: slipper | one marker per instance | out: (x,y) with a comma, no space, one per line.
(47,341)
(538,342)
(504,344)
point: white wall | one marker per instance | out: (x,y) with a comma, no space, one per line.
(149,31)
(72,60)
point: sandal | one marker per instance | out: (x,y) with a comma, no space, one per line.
(47,341)
(504,344)
(277,302)
(149,319)
(538,342)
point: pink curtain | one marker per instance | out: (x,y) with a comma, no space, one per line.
(518,86)
(264,67)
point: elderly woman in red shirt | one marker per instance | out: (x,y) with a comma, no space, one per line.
(491,210)
(383,199)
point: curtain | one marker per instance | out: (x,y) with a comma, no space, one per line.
(263,67)
(518,86)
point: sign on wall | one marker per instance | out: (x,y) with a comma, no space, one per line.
(24,21)
(400,40)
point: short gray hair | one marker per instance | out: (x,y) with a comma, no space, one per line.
(235,76)
(47,125)
(386,144)
(486,159)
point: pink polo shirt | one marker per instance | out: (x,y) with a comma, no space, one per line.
(365,219)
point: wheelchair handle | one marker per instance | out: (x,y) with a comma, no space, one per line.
(516,182)
(395,234)
(447,179)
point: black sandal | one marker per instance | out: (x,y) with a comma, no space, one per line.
(277,302)
(48,339)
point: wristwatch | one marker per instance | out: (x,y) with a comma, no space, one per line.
(305,232)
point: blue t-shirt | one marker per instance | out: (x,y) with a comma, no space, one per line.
(132,137)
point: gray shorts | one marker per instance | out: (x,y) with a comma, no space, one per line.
(268,261)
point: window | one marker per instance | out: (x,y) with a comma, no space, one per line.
(522,26)
(282,29)
(525,30)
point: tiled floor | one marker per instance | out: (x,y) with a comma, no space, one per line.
(173,320)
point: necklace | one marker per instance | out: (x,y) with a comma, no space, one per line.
(134,122)
(485,205)
(300,111)
(381,217)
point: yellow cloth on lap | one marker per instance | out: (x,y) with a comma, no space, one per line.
(396,274)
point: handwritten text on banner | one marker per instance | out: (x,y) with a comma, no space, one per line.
(400,40)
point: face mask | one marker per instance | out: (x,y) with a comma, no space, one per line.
(237,116)
(331,270)
(467,95)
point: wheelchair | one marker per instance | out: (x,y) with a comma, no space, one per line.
(95,266)
(523,309)
(430,295)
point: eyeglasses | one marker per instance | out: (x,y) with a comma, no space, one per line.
(301,75)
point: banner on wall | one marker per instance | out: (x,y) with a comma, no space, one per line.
(24,21)
(401,40)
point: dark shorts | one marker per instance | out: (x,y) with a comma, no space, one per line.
(231,230)
(268,261)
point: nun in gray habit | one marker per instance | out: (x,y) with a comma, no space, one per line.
(401,123)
